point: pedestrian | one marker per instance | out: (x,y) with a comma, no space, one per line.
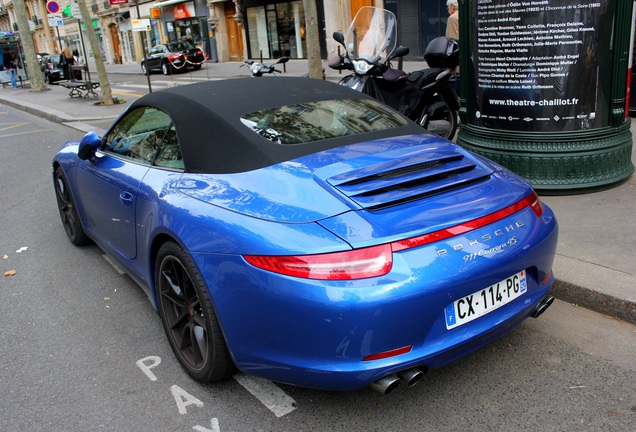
(452,25)
(67,57)
(9,62)
(452,32)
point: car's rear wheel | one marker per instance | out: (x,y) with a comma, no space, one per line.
(166,68)
(68,211)
(185,307)
(197,67)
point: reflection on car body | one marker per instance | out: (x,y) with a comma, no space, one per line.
(294,231)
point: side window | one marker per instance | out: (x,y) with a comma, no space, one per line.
(169,155)
(138,136)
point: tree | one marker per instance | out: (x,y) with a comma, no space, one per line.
(35,75)
(313,39)
(104,84)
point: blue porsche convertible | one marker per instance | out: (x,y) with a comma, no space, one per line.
(302,232)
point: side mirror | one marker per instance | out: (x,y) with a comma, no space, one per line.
(339,37)
(283,60)
(400,51)
(88,146)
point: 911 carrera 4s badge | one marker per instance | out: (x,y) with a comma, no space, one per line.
(485,238)
(484,301)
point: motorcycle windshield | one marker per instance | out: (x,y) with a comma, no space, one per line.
(372,35)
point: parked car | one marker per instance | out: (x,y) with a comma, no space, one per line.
(53,66)
(173,57)
(303,232)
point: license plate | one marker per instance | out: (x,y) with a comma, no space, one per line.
(483,302)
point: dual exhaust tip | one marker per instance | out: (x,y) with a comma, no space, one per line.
(410,377)
(542,306)
(387,384)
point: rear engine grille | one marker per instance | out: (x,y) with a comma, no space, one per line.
(396,182)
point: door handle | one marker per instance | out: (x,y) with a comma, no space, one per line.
(126,198)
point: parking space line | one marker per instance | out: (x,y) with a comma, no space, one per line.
(270,395)
(24,133)
(12,125)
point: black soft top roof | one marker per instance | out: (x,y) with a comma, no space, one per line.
(214,140)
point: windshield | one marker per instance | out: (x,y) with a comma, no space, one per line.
(372,35)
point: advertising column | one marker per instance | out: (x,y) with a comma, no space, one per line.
(546,81)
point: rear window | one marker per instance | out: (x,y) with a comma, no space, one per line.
(320,120)
(180,46)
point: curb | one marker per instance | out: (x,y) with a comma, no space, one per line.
(594,300)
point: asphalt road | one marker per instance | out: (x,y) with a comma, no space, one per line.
(81,347)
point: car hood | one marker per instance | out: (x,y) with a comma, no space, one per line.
(418,177)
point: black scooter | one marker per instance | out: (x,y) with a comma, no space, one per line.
(259,69)
(426,96)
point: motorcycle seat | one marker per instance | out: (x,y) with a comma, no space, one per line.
(393,75)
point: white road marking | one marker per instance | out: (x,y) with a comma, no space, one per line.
(183,399)
(153,361)
(214,424)
(270,395)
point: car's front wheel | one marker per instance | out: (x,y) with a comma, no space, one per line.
(68,211)
(185,307)
(143,69)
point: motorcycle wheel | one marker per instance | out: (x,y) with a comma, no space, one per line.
(440,119)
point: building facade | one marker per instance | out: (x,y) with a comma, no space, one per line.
(227,30)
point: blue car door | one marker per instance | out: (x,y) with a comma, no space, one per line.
(108,189)
(109,185)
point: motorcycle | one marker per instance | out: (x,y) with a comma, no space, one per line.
(259,69)
(425,96)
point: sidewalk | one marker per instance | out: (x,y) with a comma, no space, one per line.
(595,265)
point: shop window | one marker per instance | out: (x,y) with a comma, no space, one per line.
(277,30)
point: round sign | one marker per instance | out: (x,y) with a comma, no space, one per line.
(52,6)
(75,11)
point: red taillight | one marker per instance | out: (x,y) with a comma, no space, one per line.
(531,200)
(354,264)
(535,203)
(387,354)
(377,260)
(173,57)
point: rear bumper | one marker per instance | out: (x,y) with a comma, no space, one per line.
(316,333)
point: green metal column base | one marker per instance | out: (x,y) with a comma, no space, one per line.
(561,163)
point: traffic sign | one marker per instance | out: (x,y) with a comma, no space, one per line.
(75,11)
(53,6)
(55,20)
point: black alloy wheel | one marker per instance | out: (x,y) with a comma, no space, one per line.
(68,211)
(185,307)
(440,119)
